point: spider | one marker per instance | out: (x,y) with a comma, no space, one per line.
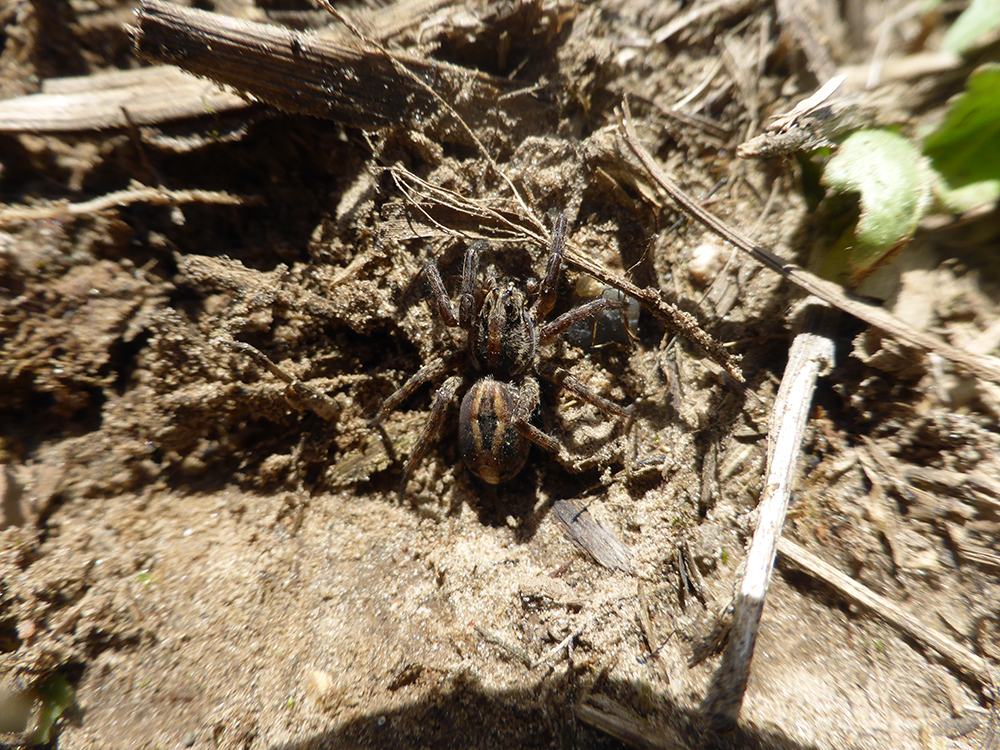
(504,326)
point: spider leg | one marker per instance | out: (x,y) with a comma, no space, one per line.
(434,369)
(444,304)
(467,297)
(470,278)
(561,377)
(432,428)
(548,332)
(547,291)
(526,405)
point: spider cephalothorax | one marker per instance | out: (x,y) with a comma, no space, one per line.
(505,328)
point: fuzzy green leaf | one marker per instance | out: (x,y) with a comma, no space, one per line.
(895,186)
(980,18)
(965,149)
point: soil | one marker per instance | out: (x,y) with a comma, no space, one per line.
(207,562)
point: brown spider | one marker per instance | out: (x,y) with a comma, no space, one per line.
(503,332)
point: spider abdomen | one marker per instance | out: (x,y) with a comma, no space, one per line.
(490,444)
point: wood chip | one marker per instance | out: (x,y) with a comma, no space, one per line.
(118,99)
(591,536)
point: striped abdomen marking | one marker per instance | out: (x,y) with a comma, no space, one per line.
(490,445)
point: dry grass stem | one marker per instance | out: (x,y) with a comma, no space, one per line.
(956,654)
(136,194)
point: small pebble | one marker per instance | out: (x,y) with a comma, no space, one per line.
(707,259)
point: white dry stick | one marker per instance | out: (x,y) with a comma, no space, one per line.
(811,355)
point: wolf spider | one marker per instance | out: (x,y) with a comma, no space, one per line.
(503,332)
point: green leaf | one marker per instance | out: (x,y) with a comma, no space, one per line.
(981,18)
(895,186)
(970,196)
(56,696)
(965,148)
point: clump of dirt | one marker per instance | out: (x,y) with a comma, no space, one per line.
(209,559)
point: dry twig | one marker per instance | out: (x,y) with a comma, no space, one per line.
(616,722)
(116,99)
(965,661)
(341,79)
(811,354)
(137,193)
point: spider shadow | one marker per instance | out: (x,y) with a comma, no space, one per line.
(524,502)
(513,501)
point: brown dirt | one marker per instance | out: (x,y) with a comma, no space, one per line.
(209,566)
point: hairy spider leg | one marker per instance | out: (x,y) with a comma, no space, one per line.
(551,330)
(562,377)
(530,395)
(431,371)
(467,303)
(432,427)
(446,308)
(467,297)
(546,299)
